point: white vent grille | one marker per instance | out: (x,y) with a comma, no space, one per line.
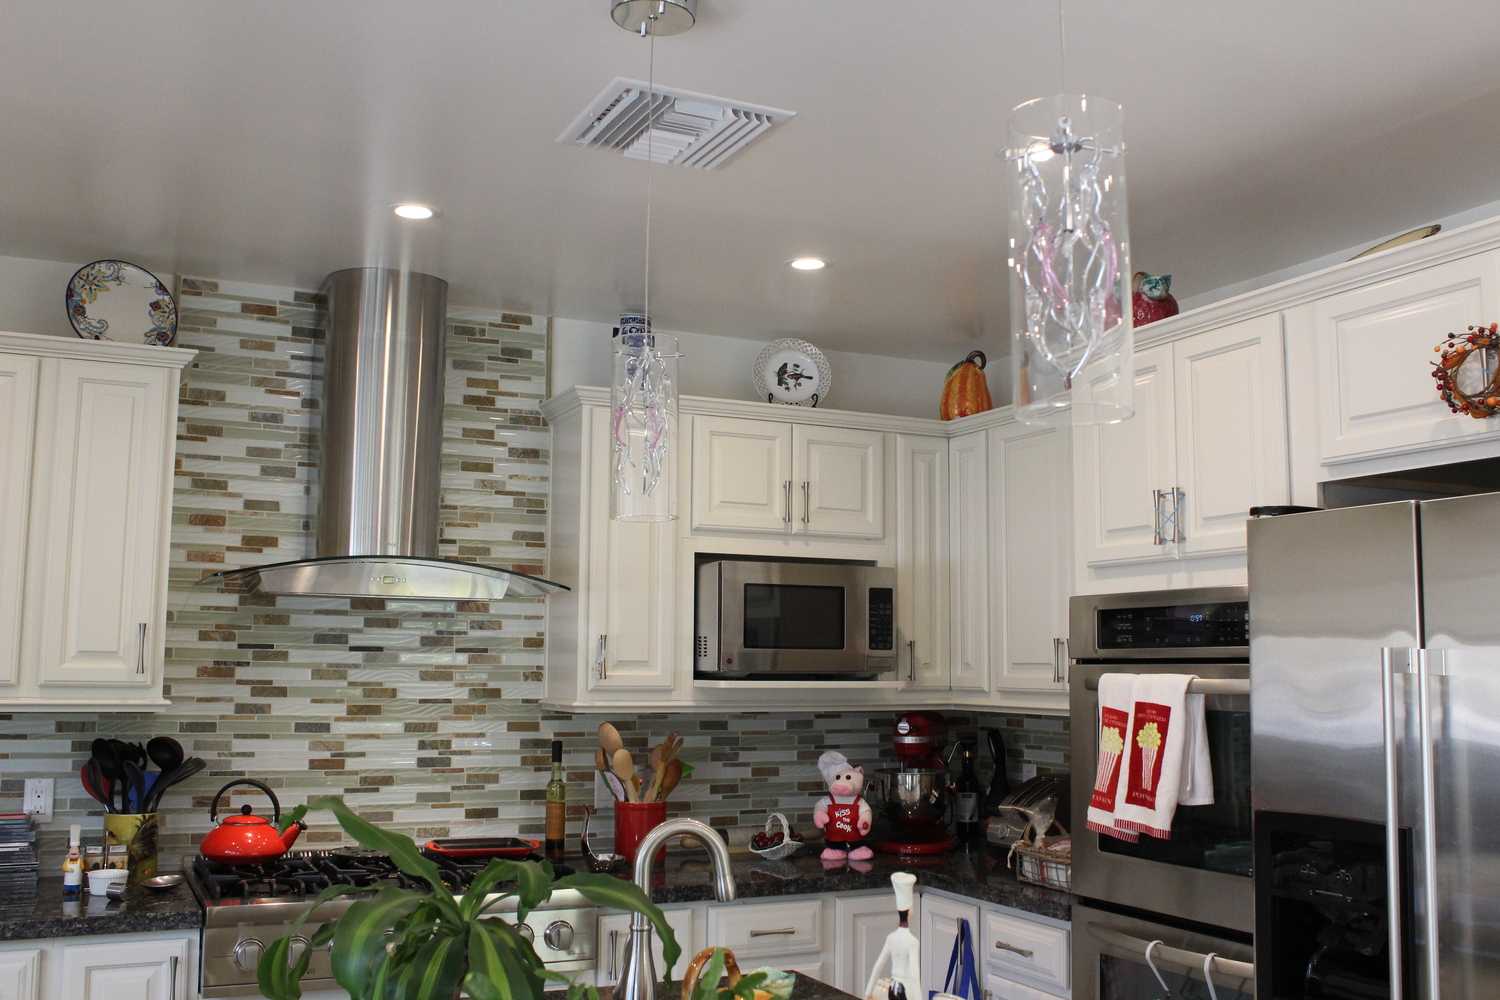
(678,126)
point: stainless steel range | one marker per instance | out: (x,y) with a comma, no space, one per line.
(246,907)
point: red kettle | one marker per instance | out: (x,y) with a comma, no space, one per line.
(244,838)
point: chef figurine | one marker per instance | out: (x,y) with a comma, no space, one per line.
(898,969)
(843,815)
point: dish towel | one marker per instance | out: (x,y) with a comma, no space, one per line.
(1167,761)
(1116,696)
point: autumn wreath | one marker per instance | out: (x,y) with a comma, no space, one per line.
(1478,345)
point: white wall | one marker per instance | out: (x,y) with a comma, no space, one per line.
(31,295)
(720,366)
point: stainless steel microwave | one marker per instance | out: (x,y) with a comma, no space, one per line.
(760,620)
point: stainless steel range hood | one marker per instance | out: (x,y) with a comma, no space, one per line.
(381,470)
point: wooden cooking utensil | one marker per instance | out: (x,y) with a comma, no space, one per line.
(609,739)
(671,775)
(624,767)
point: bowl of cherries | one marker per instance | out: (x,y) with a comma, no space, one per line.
(778,840)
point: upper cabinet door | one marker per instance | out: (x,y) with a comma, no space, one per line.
(632,586)
(921,563)
(18,388)
(1375,351)
(1230,396)
(1031,525)
(742,474)
(968,519)
(1118,466)
(840,479)
(98,514)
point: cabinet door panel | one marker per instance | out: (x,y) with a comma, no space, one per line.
(921,559)
(741,472)
(97,539)
(614,931)
(135,970)
(841,476)
(632,580)
(862,924)
(969,648)
(21,974)
(940,917)
(1031,524)
(1230,398)
(1116,466)
(1374,348)
(18,389)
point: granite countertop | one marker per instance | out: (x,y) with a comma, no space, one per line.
(50,914)
(805,988)
(979,872)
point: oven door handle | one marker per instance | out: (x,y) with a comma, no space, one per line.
(1188,961)
(1201,685)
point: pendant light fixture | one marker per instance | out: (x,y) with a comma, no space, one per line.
(1069,258)
(643,384)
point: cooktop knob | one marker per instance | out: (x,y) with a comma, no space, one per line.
(247,954)
(526,932)
(559,935)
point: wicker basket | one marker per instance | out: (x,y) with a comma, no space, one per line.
(787,847)
(1054,869)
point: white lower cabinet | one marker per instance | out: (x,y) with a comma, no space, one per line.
(861,925)
(1000,988)
(1018,956)
(115,967)
(939,922)
(614,931)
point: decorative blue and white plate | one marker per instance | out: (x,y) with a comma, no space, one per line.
(123,302)
(793,372)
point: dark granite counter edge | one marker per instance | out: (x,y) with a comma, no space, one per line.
(49,914)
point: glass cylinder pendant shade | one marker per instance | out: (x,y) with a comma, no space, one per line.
(643,423)
(1069,261)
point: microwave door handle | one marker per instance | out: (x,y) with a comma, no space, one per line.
(1392,818)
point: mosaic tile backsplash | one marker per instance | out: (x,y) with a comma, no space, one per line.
(424,717)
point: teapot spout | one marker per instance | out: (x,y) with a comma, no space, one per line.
(290,834)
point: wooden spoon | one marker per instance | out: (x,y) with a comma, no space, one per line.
(609,739)
(624,766)
(671,775)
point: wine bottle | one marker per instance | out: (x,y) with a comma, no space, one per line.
(966,799)
(555,844)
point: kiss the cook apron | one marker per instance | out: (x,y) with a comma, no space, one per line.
(843,822)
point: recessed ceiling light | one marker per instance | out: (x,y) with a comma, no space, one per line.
(414,211)
(808,263)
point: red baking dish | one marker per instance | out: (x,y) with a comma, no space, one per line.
(484,847)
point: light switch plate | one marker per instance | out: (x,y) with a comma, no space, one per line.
(38,798)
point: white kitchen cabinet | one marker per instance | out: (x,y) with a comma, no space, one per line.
(922,559)
(969,586)
(1175,481)
(127,970)
(1374,351)
(1031,528)
(770,476)
(609,638)
(86,457)
(997,987)
(21,974)
(742,475)
(18,388)
(939,922)
(1026,949)
(862,923)
(614,932)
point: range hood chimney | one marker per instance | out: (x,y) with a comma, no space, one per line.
(381,459)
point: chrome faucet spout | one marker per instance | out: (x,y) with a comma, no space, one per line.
(638,982)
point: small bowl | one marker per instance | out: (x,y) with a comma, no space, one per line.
(100,879)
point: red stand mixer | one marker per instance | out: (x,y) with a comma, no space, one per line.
(914,799)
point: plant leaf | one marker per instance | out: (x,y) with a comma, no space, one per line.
(533,885)
(707,986)
(279,978)
(290,817)
(433,972)
(606,890)
(359,942)
(748,984)
(577,989)
(501,964)
(402,849)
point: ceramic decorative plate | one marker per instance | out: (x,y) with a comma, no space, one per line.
(123,302)
(791,371)
(1410,236)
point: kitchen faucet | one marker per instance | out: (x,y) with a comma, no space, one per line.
(638,982)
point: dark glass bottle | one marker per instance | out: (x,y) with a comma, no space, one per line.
(557,808)
(966,825)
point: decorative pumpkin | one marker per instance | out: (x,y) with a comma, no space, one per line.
(1151,297)
(965,389)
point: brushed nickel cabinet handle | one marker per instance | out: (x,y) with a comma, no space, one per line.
(140,653)
(774,932)
(1157,538)
(1177,498)
(911,648)
(614,953)
(599,659)
(806,503)
(172,971)
(1006,946)
(786,507)
(1056,660)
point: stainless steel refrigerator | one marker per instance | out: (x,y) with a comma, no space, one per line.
(1375,750)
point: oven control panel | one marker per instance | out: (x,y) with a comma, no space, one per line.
(1175,626)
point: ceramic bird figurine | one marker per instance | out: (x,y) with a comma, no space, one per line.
(1151,297)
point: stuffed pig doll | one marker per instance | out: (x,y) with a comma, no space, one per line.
(843,815)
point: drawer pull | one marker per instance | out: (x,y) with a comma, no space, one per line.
(774,932)
(1006,946)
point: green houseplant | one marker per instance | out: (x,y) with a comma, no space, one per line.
(439,945)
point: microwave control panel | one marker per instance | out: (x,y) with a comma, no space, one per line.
(882,619)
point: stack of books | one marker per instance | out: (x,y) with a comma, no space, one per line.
(18,864)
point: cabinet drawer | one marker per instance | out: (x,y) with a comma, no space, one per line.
(1026,950)
(767,928)
(1000,988)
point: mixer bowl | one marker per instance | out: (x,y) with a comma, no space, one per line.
(912,795)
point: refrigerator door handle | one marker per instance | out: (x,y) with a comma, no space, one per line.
(1392,814)
(1425,754)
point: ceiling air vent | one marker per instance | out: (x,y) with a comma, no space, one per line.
(688,129)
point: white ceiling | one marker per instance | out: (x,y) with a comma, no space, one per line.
(266,140)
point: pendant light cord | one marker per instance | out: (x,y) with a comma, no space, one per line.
(650,168)
(1062,51)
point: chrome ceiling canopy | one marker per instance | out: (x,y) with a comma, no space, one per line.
(381,468)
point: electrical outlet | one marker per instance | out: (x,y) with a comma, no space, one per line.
(38,800)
